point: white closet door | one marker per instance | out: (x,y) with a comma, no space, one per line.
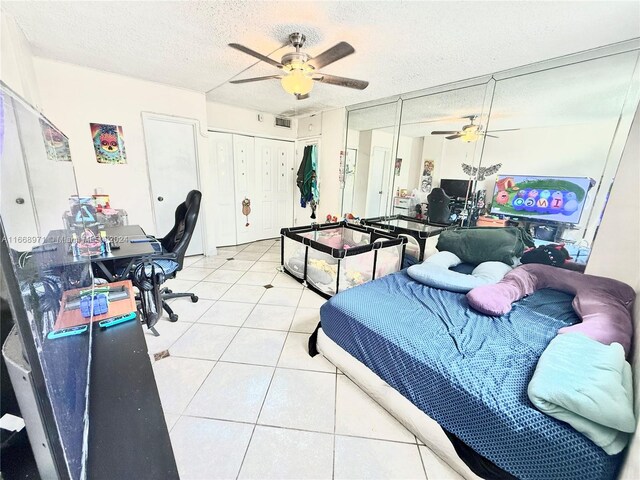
(244,166)
(172,157)
(221,160)
(17,210)
(274,192)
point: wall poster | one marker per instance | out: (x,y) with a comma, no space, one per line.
(108,143)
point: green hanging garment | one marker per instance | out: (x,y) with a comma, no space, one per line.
(307,179)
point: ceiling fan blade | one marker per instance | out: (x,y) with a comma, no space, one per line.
(505,130)
(302,97)
(334,54)
(492,136)
(341,81)
(453,137)
(255,79)
(443,132)
(255,54)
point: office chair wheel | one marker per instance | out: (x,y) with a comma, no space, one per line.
(194,298)
(173,317)
(168,290)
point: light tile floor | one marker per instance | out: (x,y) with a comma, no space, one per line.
(243,399)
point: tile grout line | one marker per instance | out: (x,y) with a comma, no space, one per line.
(255,425)
(424,467)
(215,361)
(280,427)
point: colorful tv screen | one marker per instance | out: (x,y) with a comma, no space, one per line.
(549,199)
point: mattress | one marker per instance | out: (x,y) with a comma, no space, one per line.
(467,371)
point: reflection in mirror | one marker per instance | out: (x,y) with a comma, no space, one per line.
(559,134)
(36,181)
(370,133)
(32,170)
(438,148)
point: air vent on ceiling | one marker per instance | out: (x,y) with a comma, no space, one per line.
(283,122)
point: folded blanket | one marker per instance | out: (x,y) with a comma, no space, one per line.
(587,385)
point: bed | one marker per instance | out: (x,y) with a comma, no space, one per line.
(430,360)
(334,257)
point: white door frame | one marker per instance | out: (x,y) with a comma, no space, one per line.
(195,123)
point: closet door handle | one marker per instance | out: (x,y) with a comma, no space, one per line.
(19,200)
(160,199)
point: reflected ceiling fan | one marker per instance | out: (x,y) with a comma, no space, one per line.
(469,133)
(300,69)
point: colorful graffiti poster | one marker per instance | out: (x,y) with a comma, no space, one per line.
(108,143)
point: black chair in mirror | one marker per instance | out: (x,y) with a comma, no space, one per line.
(439,207)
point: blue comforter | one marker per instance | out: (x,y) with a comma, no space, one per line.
(468,371)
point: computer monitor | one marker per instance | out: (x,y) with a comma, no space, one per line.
(455,188)
(541,198)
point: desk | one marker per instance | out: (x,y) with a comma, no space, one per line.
(120,236)
(128,436)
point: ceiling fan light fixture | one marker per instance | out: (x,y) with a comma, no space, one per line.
(470,134)
(297,82)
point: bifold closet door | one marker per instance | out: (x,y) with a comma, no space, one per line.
(172,157)
(225,205)
(274,186)
(244,167)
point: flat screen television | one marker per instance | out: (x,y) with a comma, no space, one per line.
(541,198)
(455,188)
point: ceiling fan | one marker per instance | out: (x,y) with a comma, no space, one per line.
(300,69)
(469,133)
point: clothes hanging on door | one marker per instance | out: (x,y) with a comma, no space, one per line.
(307,180)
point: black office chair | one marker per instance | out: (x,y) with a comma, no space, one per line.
(169,260)
(439,209)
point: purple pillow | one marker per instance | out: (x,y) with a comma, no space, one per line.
(603,304)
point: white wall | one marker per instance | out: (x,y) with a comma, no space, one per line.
(74,96)
(616,254)
(331,144)
(16,61)
(240,120)
(310,126)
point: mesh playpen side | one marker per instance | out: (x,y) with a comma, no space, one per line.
(333,257)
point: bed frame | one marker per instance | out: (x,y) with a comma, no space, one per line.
(415,420)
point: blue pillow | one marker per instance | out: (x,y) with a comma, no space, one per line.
(435,272)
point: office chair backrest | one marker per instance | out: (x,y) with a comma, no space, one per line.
(177,240)
(439,210)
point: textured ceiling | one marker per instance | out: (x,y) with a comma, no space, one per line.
(400,46)
(581,93)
